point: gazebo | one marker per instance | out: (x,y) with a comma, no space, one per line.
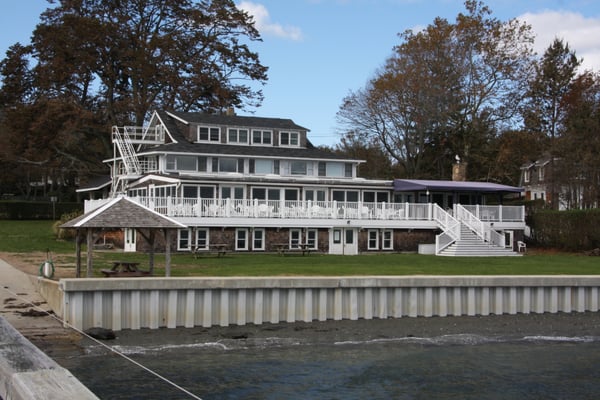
(123,212)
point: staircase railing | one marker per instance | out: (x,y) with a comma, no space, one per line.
(128,154)
(450,228)
(483,230)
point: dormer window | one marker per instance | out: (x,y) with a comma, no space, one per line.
(541,174)
(262,137)
(526,176)
(289,139)
(209,134)
(237,136)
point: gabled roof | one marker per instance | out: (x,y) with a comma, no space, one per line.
(122,212)
(181,145)
(415,185)
(96,184)
(236,120)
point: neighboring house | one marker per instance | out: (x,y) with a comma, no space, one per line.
(538,184)
(258,184)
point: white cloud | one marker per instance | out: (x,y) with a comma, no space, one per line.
(580,32)
(264,24)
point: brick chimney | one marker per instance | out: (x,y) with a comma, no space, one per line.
(459,170)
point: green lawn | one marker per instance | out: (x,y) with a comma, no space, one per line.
(36,236)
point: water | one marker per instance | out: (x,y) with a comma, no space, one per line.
(448,366)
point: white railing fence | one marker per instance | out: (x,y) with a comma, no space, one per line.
(450,227)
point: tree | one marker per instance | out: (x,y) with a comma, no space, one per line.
(378,164)
(140,54)
(446,90)
(554,73)
(578,144)
(97,63)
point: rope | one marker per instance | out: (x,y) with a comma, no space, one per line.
(106,346)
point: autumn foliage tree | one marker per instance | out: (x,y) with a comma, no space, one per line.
(446,90)
(98,63)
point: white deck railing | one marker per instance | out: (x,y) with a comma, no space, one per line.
(497,213)
(187,207)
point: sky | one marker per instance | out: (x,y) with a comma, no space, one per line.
(319,51)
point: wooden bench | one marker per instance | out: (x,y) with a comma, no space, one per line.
(218,249)
(124,269)
(283,248)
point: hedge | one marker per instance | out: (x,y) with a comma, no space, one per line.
(572,230)
(31,210)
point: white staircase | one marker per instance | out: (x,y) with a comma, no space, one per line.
(128,154)
(471,245)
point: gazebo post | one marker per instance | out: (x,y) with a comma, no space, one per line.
(78,253)
(167,252)
(90,247)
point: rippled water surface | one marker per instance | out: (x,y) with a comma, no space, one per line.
(443,367)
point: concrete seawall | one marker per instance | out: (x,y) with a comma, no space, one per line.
(26,373)
(134,303)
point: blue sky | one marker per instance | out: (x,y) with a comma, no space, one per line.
(318,51)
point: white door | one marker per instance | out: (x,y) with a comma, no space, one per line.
(343,241)
(129,240)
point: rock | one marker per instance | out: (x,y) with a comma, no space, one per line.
(101,333)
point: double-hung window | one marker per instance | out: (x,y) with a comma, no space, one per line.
(237,136)
(289,139)
(209,134)
(373,239)
(262,137)
(224,164)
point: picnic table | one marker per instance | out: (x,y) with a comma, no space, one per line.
(124,268)
(282,248)
(220,249)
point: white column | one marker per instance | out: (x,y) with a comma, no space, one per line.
(498,301)
(368,303)
(353,304)
(413,303)
(291,305)
(526,301)
(190,308)
(383,304)
(274,314)
(512,300)
(98,310)
(135,311)
(442,302)
(338,309)
(240,317)
(322,304)
(593,302)
(428,308)
(172,309)
(207,308)
(257,318)
(307,312)
(471,301)
(153,310)
(397,312)
(485,301)
(457,301)
(116,311)
(224,307)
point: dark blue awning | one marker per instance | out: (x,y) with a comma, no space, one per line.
(418,185)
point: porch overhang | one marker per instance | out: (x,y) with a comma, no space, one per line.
(420,185)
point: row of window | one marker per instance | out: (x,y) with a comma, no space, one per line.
(264,193)
(177,163)
(254,239)
(245,136)
(527,175)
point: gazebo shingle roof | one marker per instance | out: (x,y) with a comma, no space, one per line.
(122,213)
